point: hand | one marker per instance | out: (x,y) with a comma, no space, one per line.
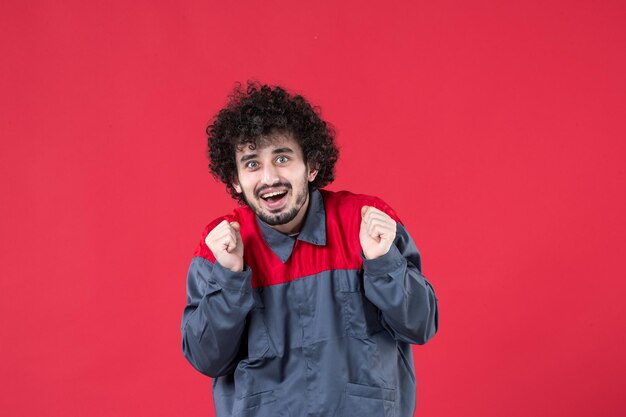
(377,233)
(225,243)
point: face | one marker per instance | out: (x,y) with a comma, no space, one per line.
(274,181)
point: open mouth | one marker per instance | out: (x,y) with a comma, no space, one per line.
(274,199)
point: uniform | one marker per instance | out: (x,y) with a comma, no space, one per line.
(310,327)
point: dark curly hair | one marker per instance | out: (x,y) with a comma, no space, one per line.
(263,110)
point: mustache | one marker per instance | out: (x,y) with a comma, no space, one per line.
(267,187)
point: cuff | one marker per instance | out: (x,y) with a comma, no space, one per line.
(385,264)
(233,281)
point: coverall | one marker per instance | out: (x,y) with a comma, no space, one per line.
(310,327)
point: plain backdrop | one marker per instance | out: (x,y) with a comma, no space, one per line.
(494,128)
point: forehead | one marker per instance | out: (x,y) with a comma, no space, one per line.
(268,144)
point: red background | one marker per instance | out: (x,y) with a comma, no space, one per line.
(495,129)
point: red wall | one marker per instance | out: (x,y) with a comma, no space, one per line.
(495,129)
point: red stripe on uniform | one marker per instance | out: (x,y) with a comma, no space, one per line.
(342,249)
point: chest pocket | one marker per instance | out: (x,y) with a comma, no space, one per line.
(258,339)
(362,318)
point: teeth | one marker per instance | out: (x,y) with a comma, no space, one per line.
(273,194)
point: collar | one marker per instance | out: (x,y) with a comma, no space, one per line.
(313,230)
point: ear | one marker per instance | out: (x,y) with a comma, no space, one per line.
(312,173)
(236,185)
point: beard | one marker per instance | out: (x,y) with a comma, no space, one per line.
(276,219)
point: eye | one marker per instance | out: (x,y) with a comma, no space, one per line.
(282,159)
(252,165)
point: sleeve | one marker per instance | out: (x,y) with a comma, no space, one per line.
(214,319)
(395,284)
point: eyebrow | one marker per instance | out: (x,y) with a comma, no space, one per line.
(282,150)
(275,151)
(248,157)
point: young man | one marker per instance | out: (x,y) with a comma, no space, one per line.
(302,301)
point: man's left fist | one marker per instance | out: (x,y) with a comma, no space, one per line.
(377,233)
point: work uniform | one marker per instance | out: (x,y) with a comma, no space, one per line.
(310,327)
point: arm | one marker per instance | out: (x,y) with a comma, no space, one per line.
(393,280)
(219,298)
(218,301)
(395,284)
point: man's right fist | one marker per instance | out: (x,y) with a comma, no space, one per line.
(225,243)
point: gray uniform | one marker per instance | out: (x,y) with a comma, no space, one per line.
(310,327)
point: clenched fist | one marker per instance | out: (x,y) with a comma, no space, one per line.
(225,243)
(377,233)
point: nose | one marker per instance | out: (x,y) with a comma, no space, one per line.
(270,174)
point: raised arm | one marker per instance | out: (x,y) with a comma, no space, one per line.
(393,280)
(219,298)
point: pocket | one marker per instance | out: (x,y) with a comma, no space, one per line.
(361,316)
(366,401)
(261,404)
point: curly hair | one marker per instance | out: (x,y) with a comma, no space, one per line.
(260,111)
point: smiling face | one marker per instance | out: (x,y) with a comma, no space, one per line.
(274,180)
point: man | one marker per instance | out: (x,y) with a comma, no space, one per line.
(301,302)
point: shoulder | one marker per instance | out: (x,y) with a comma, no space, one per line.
(243,215)
(346,203)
